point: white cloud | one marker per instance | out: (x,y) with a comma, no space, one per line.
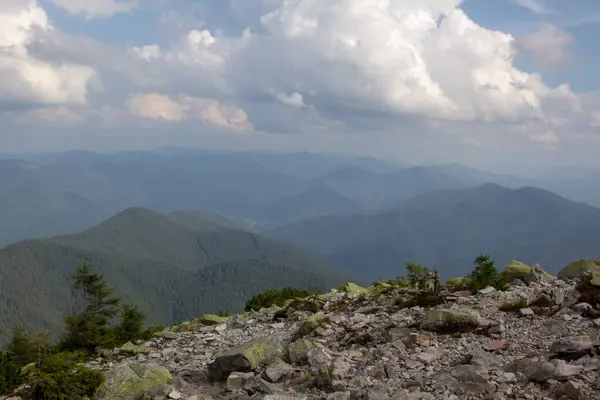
(155,106)
(595,120)
(210,111)
(295,99)
(97,8)
(549,45)
(547,137)
(25,79)
(536,6)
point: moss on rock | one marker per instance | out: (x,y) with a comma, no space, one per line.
(246,357)
(127,382)
(135,349)
(577,269)
(447,320)
(212,319)
(352,288)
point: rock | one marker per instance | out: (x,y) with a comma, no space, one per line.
(417,339)
(567,391)
(542,371)
(212,319)
(486,290)
(471,379)
(247,357)
(578,268)
(572,347)
(135,349)
(277,369)
(127,382)
(298,351)
(494,345)
(236,380)
(258,385)
(340,396)
(352,288)
(309,325)
(447,320)
(526,312)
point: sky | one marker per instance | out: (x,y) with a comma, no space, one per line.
(485,82)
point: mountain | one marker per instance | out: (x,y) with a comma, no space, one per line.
(447,229)
(375,191)
(173,266)
(318,200)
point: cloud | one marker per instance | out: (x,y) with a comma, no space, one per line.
(295,99)
(547,137)
(96,8)
(536,6)
(210,111)
(401,68)
(549,46)
(155,106)
(25,79)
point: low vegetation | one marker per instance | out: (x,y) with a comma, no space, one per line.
(272,298)
(56,371)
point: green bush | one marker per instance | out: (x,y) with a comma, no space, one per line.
(485,274)
(416,274)
(60,377)
(275,298)
(10,373)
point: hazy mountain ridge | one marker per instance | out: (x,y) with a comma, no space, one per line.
(169,268)
(446,229)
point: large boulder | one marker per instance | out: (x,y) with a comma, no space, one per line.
(577,269)
(521,271)
(352,288)
(129,382)
(452,320)
(213,319)
(246,357)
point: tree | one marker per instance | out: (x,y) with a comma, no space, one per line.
(26,348)
(91,327)
(484,274)
(131,326)
(416,274)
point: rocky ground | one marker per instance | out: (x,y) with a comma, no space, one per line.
(377,343)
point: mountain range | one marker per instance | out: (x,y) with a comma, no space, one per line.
(173,266)
(447,229)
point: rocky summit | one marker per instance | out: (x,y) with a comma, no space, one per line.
(533,341)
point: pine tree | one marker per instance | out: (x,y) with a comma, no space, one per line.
(91,327)
(484,274)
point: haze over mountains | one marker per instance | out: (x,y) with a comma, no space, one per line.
(183,246)
(49,194)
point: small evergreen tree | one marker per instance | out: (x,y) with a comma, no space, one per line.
(91,328)
(416,274)
(26,348)
(131,325)
(484,274)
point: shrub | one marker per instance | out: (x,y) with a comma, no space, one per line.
(60,377)
(10,373)
(275,298)
(485,274)
(416,274)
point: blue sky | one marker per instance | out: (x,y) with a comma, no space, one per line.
(511,79)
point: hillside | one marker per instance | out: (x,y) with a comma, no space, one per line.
(447,229)
(172,266)
(316,201)
(374,191)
